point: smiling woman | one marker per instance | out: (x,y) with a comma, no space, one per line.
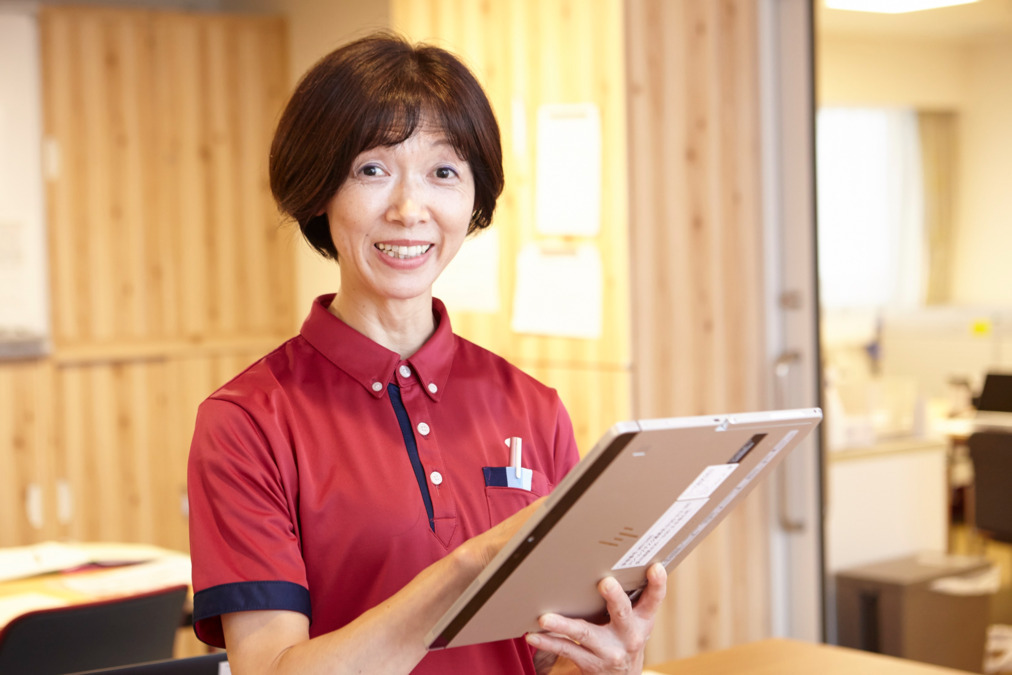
(343,478)
(344,106)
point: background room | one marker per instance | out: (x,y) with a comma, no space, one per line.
(912,151)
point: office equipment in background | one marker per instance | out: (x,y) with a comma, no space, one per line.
(991,456)
(103,634)
(996,394)
(994,405)
(928,607)
(649,491)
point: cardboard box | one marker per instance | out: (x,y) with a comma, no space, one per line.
(891,608)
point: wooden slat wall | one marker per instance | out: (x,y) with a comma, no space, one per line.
(161,223)
(528,53)
(696,252)
(26,433)
(169,270)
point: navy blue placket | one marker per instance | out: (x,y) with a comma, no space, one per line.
(409,444)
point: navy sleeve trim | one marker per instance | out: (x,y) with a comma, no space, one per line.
(210,603)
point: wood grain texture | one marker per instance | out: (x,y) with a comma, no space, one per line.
(169,270)
(696,279)
(161,221)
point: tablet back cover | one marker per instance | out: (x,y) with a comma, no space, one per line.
(648,491)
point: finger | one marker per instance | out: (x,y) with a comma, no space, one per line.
(657,587)
(591,648)
(563,628)
(616,600)
(559,647)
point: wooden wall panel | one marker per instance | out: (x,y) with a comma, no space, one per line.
(161,219)
(26,424)
(697,297)
(170,271)
(528,53)
(123,444)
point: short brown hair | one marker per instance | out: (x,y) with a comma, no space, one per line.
(372,92)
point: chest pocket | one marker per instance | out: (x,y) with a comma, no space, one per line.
(504,501)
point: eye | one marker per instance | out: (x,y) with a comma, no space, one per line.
(371,170)
(445,172)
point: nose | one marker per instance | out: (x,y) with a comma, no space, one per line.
(407,203)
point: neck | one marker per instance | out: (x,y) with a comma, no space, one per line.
(400,326)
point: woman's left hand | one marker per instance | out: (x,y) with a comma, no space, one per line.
(615,647)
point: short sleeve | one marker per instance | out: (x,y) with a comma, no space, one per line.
(244,535)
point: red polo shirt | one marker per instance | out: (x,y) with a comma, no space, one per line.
(329,473)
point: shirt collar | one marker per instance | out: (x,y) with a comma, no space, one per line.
(372,365)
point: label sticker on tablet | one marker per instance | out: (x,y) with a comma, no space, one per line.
(731,496)
(707,482)
(660,533)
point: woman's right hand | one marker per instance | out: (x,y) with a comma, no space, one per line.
(479,550)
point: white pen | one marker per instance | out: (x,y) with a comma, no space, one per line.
(516,454)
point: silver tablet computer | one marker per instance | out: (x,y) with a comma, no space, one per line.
(649,491)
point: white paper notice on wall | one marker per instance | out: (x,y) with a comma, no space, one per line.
(568,170)
(559,291)
(24,309)
(470,283)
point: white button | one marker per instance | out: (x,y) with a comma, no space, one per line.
(432,387)
(377,386)
(404,371)
(436,477)
(423,428)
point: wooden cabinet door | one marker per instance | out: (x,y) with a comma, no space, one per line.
(169,268)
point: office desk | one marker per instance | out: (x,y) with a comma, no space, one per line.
(155,568)
(789,657)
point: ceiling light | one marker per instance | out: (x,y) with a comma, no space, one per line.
(893,6)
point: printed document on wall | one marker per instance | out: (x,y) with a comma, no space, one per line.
(24,308)
(567,190)
(559,291)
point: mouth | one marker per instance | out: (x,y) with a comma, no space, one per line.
(403,252)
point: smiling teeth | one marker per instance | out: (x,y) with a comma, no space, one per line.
(403,252)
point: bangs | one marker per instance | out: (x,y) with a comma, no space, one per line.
(394,121)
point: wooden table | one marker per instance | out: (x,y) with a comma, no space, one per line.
(790,657)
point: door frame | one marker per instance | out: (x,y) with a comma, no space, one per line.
(787,109)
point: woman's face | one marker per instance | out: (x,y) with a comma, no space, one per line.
(400,217)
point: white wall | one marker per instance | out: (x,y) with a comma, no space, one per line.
(871,71)
(972,79)
(983,272)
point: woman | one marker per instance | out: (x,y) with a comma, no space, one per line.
(340,492)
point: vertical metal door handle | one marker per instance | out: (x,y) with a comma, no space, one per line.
(781,371)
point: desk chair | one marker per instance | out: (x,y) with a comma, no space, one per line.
(195,665)
(94,635)
(991,454)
